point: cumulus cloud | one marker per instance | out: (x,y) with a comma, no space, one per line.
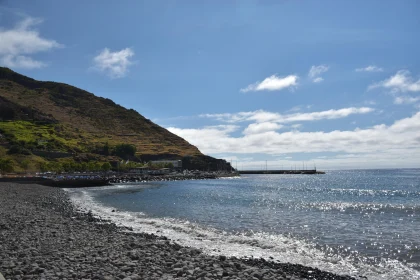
(406,100)
(19,43)
(316,71)
(205,136)
(296,125)
(370,68)
(329,114)
(21,61)
(114,64)
(272,83)
(399,138)
(264,116)
(295,109)
(256,128)
(402,81)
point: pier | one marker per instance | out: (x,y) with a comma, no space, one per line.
(304,171)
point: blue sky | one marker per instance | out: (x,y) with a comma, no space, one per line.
(331,83)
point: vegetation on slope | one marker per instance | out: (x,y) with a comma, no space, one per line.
(47,122)
(93,118)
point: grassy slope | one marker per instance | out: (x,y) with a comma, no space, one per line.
(84,120)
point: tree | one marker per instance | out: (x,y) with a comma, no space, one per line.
(125,150)
(25,163)
(16,149)
(43,166)
(83,166)
(169,165)
(91,166)
(106,166)
(106,149)
(98,166)
(6,165)
(55,167)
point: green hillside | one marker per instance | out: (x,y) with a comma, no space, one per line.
(46,122)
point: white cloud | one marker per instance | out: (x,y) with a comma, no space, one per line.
(264,116)
(256,128)
(329,114)
(114,64)
(370,68)
(402,81)
(18,43)
(316,71)
(399,141)
(370,102)
(406,100)
(21,61)
(273,83)
(296,125)
(295,109)
(208,135)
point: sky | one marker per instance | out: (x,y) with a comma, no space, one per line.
(270,84)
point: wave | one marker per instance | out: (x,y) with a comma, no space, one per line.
(246,244)
(355,192)
(360,207)
(370,192)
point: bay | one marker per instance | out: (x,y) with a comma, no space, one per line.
(357,222)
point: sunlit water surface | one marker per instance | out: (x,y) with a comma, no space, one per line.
(357,222)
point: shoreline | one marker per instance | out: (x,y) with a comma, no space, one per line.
(99,180)
(42,235)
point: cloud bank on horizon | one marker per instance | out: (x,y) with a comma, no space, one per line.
(250,82)
(397,143)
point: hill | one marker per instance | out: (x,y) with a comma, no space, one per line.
(45,121)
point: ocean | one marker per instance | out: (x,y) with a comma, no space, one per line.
(354,222)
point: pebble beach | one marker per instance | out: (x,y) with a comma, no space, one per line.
(43,236)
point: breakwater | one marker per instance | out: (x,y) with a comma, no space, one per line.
(129,179)
(304,171)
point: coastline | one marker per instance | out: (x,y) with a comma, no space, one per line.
(100,180)
(44,236)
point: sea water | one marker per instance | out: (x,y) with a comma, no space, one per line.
(354,222)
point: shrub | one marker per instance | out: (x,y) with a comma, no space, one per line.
(16,149)
(125,150)
(6,165)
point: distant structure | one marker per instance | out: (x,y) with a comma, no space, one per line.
(140,170)
(177,164)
